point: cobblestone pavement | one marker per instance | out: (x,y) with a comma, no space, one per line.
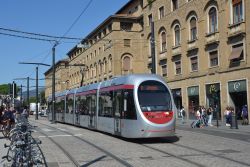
(198,147)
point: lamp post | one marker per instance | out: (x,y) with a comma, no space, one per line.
(36,82)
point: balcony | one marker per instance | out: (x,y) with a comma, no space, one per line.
(236,29)
(212,38)
(192,44)
(176,50)
(162,55)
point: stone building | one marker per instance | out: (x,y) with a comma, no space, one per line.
(61,77)
(201,48)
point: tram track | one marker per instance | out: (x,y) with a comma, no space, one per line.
(201,152)
(71,158)
(149,144)
(121,161)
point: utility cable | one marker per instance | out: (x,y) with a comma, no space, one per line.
(37,34)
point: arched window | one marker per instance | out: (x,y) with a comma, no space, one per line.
(110,63)
(104,65)
(126,63)
(193,29)
(95,70)
(149,46)
(212,20)
(177,35)
(163,41)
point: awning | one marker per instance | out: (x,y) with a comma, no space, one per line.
(236,52)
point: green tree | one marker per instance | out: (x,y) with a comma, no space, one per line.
(4,89)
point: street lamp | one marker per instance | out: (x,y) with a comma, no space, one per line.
(36,82)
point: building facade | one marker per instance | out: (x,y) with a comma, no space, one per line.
(201,49)
(61,77)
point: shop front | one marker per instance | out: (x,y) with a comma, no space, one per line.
(238,95)
(193,101)
(213,99)
(177,99)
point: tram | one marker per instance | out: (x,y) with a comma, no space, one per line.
(131,106)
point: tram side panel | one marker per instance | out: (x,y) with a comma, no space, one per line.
(105,112)
(69,113)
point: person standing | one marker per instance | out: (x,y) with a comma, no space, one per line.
(25,112)
(182,114)
(227,116)
(210,116)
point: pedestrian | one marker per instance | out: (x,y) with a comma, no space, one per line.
(204,115)
(244,115)
(210,116)
(182,114)
(25,112)
(198,113)
(227,115)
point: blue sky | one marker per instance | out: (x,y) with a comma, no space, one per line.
(49,17)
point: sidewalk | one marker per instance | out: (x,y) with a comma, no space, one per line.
(3,151)
(221,125)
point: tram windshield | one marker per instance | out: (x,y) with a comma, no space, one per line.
(154,96)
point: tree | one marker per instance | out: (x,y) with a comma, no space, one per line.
(4,89)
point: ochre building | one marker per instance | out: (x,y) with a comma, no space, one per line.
(201,49)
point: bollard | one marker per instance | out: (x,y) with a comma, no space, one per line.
(234,123)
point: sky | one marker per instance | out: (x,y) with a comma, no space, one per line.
(77,18)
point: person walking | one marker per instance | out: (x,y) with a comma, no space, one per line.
(244,115)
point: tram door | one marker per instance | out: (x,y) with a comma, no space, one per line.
(91,101)
(117,106)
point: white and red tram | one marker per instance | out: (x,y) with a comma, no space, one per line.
(131,106)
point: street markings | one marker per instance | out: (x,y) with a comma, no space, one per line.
(46,130)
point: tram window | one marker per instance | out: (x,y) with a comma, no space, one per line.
(131,112)
(154,96)
(70,103)
(59,105)
(81,105)
(105,105)
(118,103)
(91,100)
